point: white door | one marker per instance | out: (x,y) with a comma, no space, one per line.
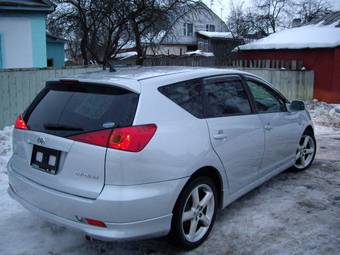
(236,133)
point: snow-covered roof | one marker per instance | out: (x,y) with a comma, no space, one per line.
(125,55)
(309,36)
(222,35)
(199,53)
(45,6)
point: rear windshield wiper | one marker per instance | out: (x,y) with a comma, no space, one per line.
(54,126)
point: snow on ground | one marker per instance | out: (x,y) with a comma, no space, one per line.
(294,213)
(326,117)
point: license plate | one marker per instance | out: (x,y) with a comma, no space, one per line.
(45,159)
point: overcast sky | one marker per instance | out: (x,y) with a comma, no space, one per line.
(221,7)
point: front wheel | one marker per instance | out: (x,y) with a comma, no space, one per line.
(305,152)
(194,213)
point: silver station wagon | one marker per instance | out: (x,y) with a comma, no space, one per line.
(142,152)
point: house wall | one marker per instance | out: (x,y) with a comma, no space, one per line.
(23,41)
(199,19)
(324,62)
(56,52)
(177,50)
(336,75)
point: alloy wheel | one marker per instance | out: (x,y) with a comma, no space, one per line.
(305,152)
(198,212)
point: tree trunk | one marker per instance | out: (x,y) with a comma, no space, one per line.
(83,46)
(139,47)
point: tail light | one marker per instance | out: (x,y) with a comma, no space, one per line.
(132,139)
(20,123)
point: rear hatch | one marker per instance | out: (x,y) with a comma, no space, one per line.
(45,152)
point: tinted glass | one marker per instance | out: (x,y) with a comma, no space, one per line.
(265,98)
(67,110)
(187,94)
(226,97)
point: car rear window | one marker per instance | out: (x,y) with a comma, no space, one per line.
(69,109)
(187,95)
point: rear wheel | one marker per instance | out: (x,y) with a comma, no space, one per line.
(194,213)
(305,152)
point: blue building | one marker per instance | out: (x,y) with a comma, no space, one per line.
(23,41)
(55,51)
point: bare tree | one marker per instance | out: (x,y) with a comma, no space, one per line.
(311,9)
(101,28)
(98,26)
(269,15)
(152,20)
(238,22)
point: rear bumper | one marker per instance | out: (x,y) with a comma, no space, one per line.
(129,212)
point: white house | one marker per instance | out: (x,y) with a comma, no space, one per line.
(183,35)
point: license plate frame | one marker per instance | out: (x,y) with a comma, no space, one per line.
(42,157)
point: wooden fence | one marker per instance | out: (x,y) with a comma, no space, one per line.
(270,63)
(292,84)
(18,87)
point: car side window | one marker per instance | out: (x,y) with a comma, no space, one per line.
(187,95)
(225,97)
(265,99)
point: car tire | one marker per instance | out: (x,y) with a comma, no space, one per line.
(305,152)
(194,213)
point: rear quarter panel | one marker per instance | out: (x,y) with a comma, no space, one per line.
(180,146)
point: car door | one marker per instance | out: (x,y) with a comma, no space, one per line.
(281,127)
(236,133)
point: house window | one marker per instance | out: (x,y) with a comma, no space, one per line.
(188,29)
(50,62)
(209,27)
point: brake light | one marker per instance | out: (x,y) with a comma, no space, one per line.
(132,139)
(20,123)
(99,138)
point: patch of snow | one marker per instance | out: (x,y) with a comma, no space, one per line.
(5,147)
(127,45)
(325,117)
(308,36)
(337,109)
(222,35)
(199,53)
(125,55)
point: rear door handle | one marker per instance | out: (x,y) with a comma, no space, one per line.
(220,136)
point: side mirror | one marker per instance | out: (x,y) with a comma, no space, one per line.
(296,106)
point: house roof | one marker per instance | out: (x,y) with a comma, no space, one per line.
(44,6)
(216,35)
(320,33)
(54,39)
